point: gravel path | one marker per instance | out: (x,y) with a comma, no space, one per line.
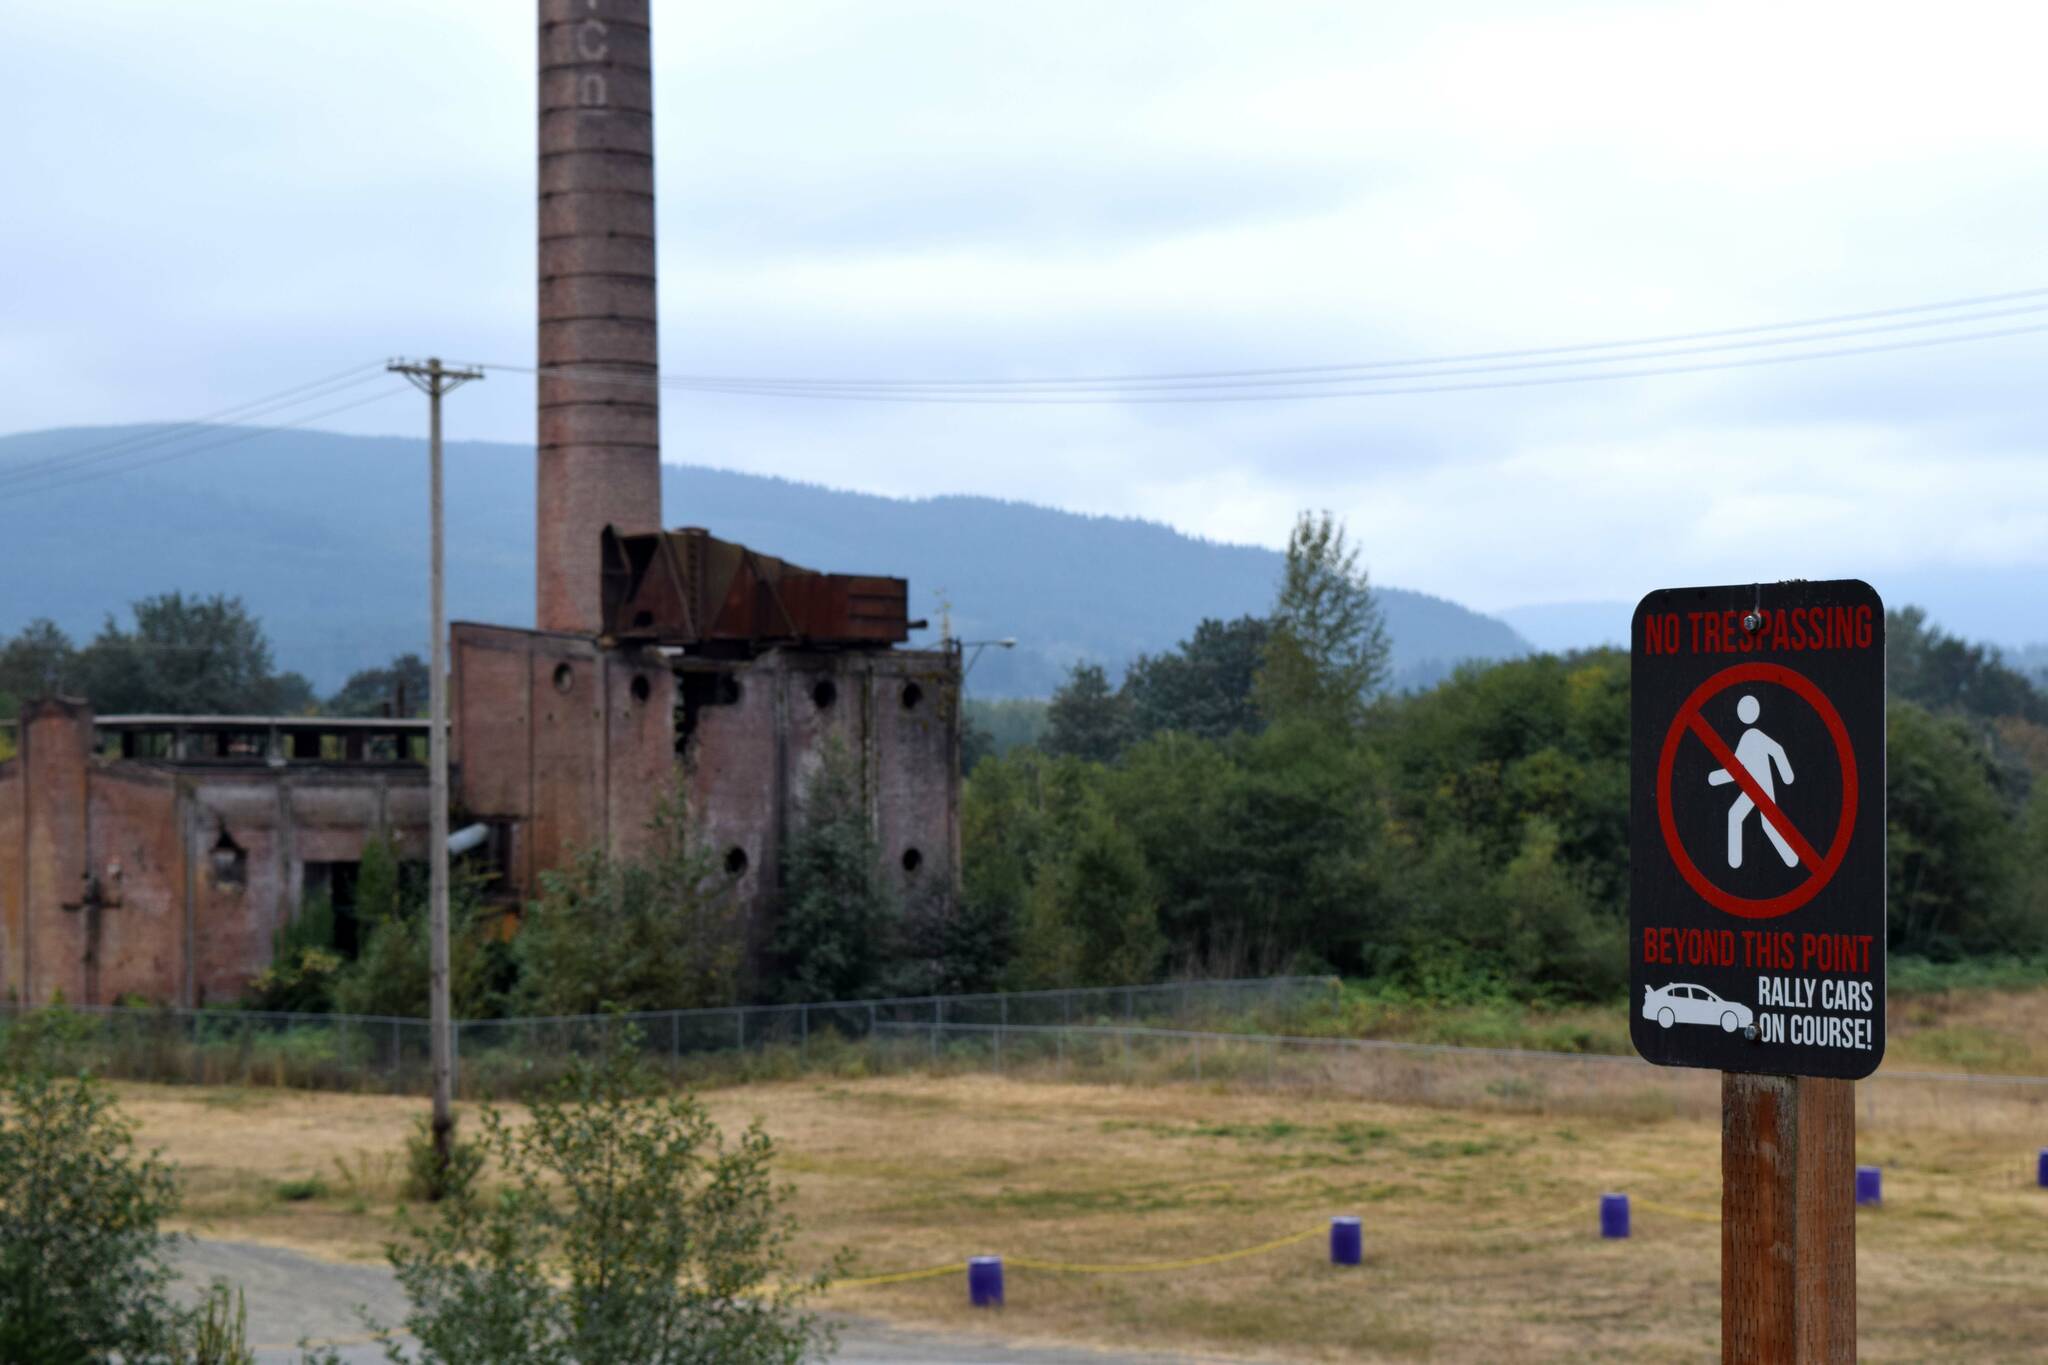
(292,1297)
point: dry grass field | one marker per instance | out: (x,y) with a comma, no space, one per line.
(1979,1030)
(1479,1224)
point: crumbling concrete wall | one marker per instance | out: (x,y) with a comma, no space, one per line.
(751,762)
(567,744)
(134,934)
(52,862)
(571,744)
(249,836)
(168,880)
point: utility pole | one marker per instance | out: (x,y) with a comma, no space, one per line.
(434,380)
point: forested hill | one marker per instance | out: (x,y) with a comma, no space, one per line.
(324,536)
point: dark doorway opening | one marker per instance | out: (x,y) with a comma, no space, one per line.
(337,882)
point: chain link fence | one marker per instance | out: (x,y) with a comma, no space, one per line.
(506,1057)
(1231,1033)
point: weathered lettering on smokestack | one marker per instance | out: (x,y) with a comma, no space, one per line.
(599,420)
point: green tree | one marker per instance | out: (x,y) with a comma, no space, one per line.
(292,694)
(2033,859)
(1179,799)
(663,931)
(186,656)
(840,918)
(1328,650)
(1205,687)
(1091,917)
(378,881)
(1490,748)
(1945,673)
(1952,843)
(1262,847)
(1010,722)
(39,661)
(83,1268)
(1087,718)
(1016,814)
(950,945)
(368,691)
(1504,854)
(1540,927)
(976,743)
(392,969)
(625,1232)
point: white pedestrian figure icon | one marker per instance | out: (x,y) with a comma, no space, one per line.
(1757,752)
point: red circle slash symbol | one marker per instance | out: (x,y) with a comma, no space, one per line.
(1819,868)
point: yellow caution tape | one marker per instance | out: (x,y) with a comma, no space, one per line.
(1080,1268)
(902,1276)
(1219,1258)
(1193,1262)
(1147,1267)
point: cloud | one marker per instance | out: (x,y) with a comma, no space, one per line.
(913,189)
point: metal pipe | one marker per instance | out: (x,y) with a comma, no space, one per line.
(467,838)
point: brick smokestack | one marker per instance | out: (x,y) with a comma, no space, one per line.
(599,443)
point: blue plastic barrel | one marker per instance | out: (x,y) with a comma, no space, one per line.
(1347,1241)
(1869,1185)
(985,1281)
(2041,1169)
(1614,1215)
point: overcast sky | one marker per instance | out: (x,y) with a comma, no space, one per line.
(208,201)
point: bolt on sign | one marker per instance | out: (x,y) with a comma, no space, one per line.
(1757,828)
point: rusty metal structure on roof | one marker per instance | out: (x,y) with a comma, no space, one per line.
(688,589)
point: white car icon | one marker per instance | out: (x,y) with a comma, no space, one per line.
(1688,1004)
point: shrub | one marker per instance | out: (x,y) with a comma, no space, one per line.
(663,931)
(218,1333)
(82,1266)
(40,1039)
(431,1177)
(303,964)
(391,972)
(626,1233)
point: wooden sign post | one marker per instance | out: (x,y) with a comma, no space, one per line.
(1757,923)
(1788,1220)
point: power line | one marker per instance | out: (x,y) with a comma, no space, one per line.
(241,434)
(1393,385)
(156,436)
(1449,371)
(1587,362)
(1552,362)
(1303,375)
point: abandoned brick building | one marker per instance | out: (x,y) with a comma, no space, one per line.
(156,856)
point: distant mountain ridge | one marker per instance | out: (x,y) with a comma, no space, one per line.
(324,536)
(1560,627)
